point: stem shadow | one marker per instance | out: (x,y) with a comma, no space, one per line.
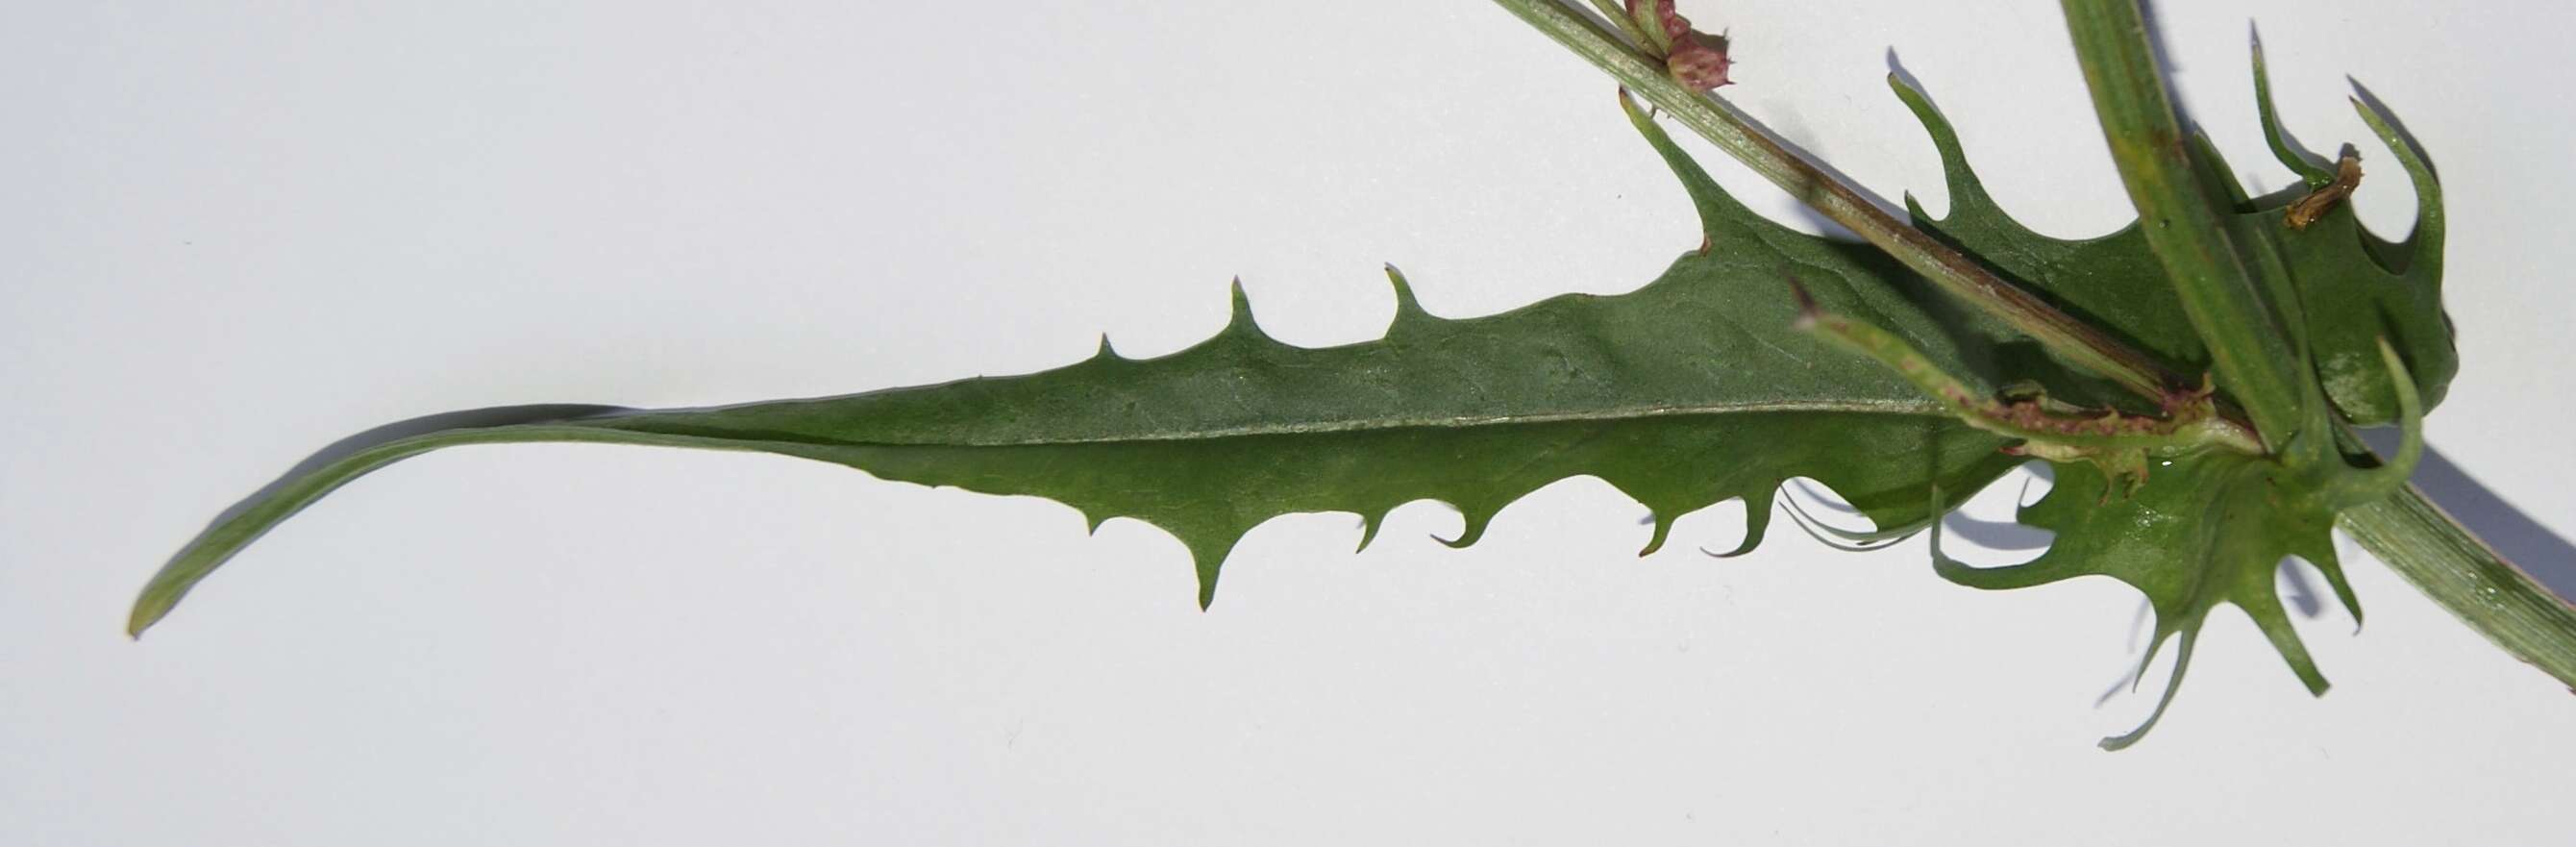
(2547,557)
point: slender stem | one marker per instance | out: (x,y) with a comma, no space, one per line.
(2450,564)
(1955,272)
(2182,214)
(2188,425)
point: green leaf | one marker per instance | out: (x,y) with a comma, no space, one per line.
(2353,287)
(2209,528)
(2384,289)
(1690,391)
(2205,530)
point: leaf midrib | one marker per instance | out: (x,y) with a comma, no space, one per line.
(1924,408)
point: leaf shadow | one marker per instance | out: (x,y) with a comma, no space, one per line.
(2254,41)
(1897,67)
(2362,93)
(2006,536)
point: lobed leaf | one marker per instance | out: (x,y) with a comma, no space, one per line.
(2352,287)
(2210,528)
(2205,530)
(1687,392)
(1690,391)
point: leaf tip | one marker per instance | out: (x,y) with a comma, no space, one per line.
(1405,303)
(1239,319)
(1207,587)
(1470,533)
(1663,530)
(2173,685)
(2275,625)
(1638,117)
(148,610)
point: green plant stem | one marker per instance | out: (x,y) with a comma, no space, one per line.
(2427,546)
(1637,35)
(1955,272)
(2089,435)
(2184,217)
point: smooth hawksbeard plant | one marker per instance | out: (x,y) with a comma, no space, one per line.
(2196,379)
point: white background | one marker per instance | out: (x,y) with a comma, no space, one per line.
(233,236)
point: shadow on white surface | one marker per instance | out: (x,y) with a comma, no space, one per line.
(2531,546)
